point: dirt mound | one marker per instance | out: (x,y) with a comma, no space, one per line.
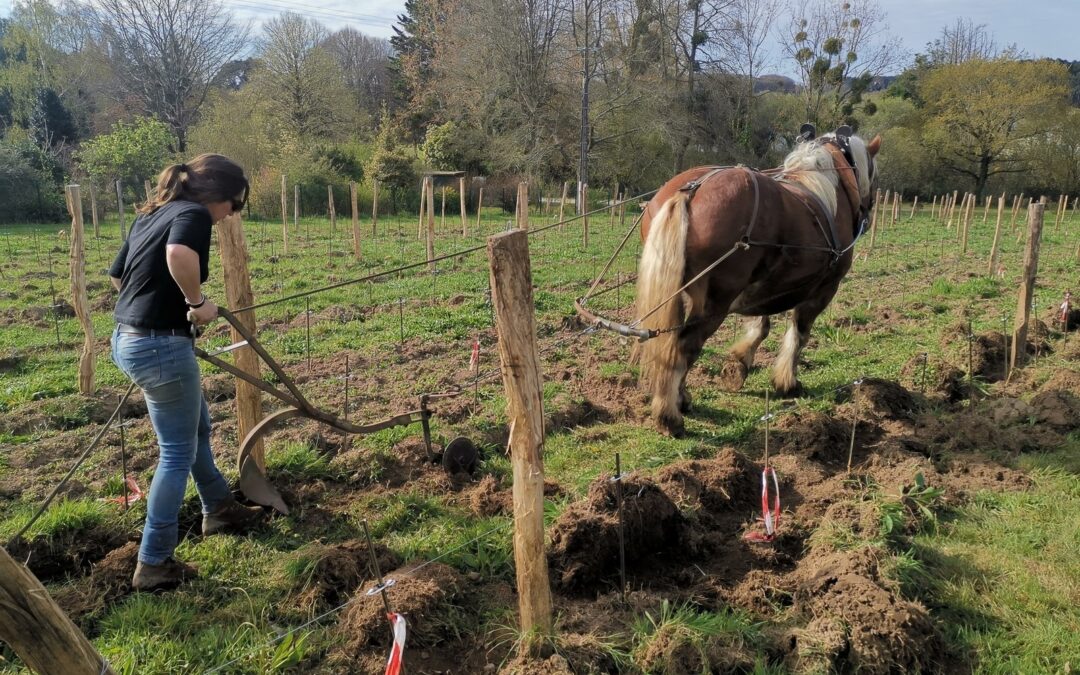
(1067,380)
(13,362)
(710,484)
(585,538)
(1057,409)
(813,435)
(556,664)
(324,574)
(67,553)
(109,580)
(421,596)
(857,623)
(884,399)
(1006,412)
(977,432)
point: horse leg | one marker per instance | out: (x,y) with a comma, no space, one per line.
(691,343)
(784,378)
(741,357)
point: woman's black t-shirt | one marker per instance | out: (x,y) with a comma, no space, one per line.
(149,296)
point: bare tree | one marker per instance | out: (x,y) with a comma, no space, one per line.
(838,47)
(166,53)
(743,52)
(962,41)
(364,62)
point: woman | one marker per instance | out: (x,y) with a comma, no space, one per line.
(159,272)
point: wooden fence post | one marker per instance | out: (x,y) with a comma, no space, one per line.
(423,203)
(120,209)
(234,263)
(37,630)
(479,205)
(614,200)
(986,209)
(442,213)
(952,209)
(1015,210)
(966,217)
(515,324)
(914,207)
(355,219)
(997,238)
(80,301)
(874,218)
(296,209)
(284,218)
(933,208)
(523,206)
(374,206)
(583,209)
(562,203)
(461,205)
(1027,286)
(430,184)
(93,210)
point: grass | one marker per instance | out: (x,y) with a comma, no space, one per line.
(999,573)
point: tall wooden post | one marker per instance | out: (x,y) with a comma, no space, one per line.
(614,200)
(997,238)
(523,206)
(284,218)
(562,203)
(296,208)
(80,301)
(515,324)
(120,209)
(234,263)
(374,206)
(461,205)
(986,209)
(933,208)
(430,185)
(966,216)
(93,210)
(952,209)
(355,219)
(914,208)
(1015,210)
(37,630)
(874,218)
(442,213)
(1027,286)
(479,205)
(423,203)
(583,209)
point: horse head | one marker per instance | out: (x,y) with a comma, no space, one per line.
(862,158)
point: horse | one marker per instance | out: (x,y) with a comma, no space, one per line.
(733,240)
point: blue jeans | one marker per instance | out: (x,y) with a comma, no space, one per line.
(164,367)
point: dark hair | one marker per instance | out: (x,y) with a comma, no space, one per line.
(205,179)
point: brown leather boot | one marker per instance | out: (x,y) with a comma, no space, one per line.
(168,574)
(232,516)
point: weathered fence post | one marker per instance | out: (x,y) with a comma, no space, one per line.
(874,218)
(952,209)
(986,209)
(515,323)
(479,205)
(966,216)
(584,211)
(461,205)
(1027,286)
(120,209)
(296,209)
(355,219)
(562,202)
(423,203)
(234,263)
(523,206)
(997,238)
(374,206)
(37,630)
(430,183)
(80,301)
(914,208)
(93,210)
(284,218)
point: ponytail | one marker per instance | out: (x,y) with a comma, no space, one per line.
(205,179)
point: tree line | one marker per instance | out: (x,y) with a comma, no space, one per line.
(602,92)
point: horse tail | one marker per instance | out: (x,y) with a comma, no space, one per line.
(660,274)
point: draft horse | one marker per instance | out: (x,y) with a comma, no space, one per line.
(788,235)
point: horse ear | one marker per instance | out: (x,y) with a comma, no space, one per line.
(844,131)
(874,146)
(807,132)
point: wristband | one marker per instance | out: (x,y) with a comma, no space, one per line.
(200,303)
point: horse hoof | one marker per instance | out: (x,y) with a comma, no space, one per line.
(733,374)
(671,427)
(686,404)
(794,391)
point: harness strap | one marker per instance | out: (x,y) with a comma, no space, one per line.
(693,185)
(832,237)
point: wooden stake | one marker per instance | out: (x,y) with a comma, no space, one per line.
(374,206)
(562,203)
(933,207)
(37,630)
(80,301)
(986,209)
(1027,286)
(430,183)
(1015,210)
(914,207)
(997,238)
(93,210)
(296,208)
(284,218)
(523,206)
(442,217)
(120,209)
(423,202)
(461,201)
(333,219)
(479,205)
(515,324)
(584,209)
(234,263)
(966,225)
(614,199)
(952,209)
(355,219)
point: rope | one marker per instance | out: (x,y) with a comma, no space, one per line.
(353,599)
(78,462)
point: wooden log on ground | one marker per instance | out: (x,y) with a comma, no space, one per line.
(515,324)
(38,631)
(1018,354)
(80,300)
(234,263)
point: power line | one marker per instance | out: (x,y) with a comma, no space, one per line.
(312,13)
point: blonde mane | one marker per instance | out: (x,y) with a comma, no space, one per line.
(811,165)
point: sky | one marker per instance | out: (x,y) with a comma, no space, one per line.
(1039,27)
